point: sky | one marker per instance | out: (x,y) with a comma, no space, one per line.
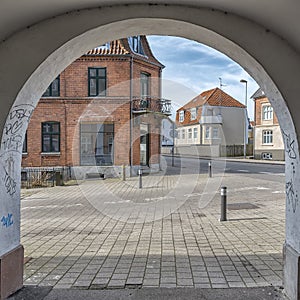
(192,68)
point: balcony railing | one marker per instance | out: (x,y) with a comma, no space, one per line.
(211,119)
(151,104)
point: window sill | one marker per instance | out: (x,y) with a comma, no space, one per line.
(24,153)
(50,154)
(266,144)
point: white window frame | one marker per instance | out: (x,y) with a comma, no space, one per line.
(181,116)
(215,133)
(267,137)
(207,132)
(195,133)
(183,134)
(267,112)
(193,113)
(190,133)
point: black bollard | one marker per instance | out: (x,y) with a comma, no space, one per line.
(123,173)
(209,169)
(140,172)
(223,203)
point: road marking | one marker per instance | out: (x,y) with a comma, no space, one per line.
(247,188)
(245,171)
(51,206)
(270,173)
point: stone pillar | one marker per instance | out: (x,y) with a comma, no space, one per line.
(291,249)
(291,272)
(11,272)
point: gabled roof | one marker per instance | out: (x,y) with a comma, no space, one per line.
(122,47)
(258,94)
(115,48)
(213,97)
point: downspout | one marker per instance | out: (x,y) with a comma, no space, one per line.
(131,116)
(66,133)
(161,119)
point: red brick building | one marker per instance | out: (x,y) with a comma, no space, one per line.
(104,110)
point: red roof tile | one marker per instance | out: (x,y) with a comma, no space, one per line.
(122,47)
(213,97)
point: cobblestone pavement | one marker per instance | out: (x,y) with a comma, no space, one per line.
(109,234)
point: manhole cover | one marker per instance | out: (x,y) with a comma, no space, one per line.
(238,206)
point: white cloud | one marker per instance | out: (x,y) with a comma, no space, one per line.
(192,68)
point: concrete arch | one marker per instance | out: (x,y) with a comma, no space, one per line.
(45,49)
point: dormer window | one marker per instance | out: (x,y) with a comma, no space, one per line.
(105,46)
(135,43)
(193,113)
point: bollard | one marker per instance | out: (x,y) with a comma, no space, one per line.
(140,172)
(123,173)
(172,156)
(223,203)
(209,169)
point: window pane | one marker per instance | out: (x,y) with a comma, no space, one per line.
(46,127)
(47,92)
(55,86)
(55,143)
(46,143)
(195,133)
(55,127)
(93,87)
(93,72)
(101,72)
(102,87)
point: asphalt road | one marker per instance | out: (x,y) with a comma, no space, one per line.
(272,172)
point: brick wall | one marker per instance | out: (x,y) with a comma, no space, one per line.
(73,106)
(259,102)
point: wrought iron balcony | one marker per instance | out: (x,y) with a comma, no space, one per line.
(151,104)
(211,120)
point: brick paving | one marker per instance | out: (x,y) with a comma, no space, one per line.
(109,234)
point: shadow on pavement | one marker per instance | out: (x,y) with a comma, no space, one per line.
(39,293)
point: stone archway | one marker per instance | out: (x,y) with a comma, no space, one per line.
(45,49)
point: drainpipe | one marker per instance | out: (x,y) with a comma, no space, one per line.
(161,119)
(66,134)
(131,116)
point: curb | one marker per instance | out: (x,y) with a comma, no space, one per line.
(240,160)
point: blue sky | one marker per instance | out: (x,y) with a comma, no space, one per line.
(191,68)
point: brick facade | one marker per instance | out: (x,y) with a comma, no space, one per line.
(73,107)
(268,141)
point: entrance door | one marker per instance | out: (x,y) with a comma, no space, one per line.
(144,145)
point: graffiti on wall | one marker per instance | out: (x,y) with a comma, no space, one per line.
(291,191)
(12,141)
(7,221)
(289,145)
(17,118)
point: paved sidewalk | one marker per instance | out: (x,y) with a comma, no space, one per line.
(39,293)
(109,234)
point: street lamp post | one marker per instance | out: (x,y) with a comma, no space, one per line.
(246,118)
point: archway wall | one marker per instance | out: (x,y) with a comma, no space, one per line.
(32,58)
